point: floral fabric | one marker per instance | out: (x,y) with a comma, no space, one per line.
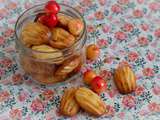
(127,32)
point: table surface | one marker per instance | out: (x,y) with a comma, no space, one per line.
(127,31)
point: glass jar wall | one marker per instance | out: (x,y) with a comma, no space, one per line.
(57,66)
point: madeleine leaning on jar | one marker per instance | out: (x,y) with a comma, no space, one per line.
(51,42)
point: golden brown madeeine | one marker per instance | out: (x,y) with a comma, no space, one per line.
(90,101)
(69,105)
(125,79)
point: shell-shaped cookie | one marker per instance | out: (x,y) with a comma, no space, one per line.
(61,38)
(45,52)
(63,20)
(34,33)
(68,65)
(75,26)
(125,79)
(69,106)
(90,101)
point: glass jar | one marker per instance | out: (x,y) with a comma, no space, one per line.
(52,70)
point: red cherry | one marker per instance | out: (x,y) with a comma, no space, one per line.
(98,84)
(41,19)
(52,7)
(50,20)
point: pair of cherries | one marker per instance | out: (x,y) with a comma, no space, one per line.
(50,18)
(97,83)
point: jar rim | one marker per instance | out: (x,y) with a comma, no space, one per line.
(63,50)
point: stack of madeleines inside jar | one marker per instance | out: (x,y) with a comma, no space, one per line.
(52,37)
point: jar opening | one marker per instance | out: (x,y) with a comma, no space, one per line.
(33,11)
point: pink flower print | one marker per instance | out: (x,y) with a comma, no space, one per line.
(50,115)
(139,90)
(112,93)
(99,15)
(121,115)
(120,35)
(129,101)
(150,56)
(3,13)
(123,1)
(23,96)
(90,17)
(90,28)
(110,110)
(122,52)
(36,89)
(1,40)
(154,6)
(156,90)
(12,21)
(133,56)
(132,45)
(154,44)
(123,63)
(148,72)
(28,118)
(144,112)
(1,72)
(110,18)
(143,41)
(87,2)
(37,105)
(139,76)
(27,5)
(102,43)
(154,107)
(128,27)
(116,8)
(48,95)
(157,33)
(4,95)
(144,27)
(140,1)
(17,78)
(7,62)
(109,59)
(138,13)
(105,28)
(102,2)
(15,114)
(113,46)
(12,5)
(8,32)
(105,74)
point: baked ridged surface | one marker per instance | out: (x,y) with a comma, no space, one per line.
(125,79)
(90,101)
